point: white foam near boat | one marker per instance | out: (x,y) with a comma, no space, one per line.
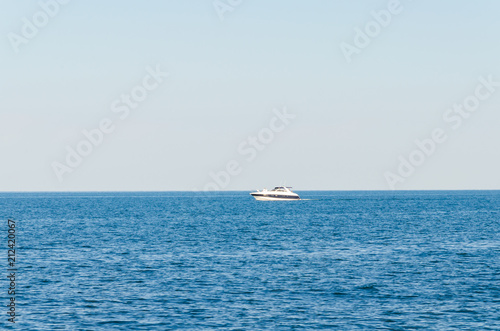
(281,193)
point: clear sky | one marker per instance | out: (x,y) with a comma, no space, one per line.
(232,66)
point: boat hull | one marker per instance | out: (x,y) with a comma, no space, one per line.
(275,198)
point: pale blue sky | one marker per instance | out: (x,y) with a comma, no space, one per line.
(353,120)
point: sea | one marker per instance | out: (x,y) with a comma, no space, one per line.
(374,260)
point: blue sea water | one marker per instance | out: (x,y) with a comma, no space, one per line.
(192,261)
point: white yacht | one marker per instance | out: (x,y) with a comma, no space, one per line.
(278,193)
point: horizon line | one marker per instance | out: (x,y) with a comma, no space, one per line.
(220,191)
